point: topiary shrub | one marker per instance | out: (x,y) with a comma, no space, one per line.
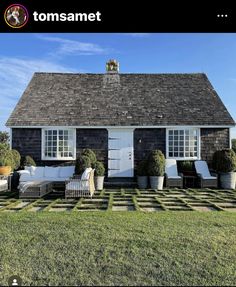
(99,168)
(27,161)
(6,158)
(224,160)
(92,156)
(16,158)
(142,168)
(156,163)
(81,164)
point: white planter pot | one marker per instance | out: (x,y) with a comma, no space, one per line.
(142,182)
(227,180)
(99,181)
(156,182)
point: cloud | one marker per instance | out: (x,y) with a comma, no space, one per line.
(71,47)
(15,74)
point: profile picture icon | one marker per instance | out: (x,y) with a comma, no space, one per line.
(16,16)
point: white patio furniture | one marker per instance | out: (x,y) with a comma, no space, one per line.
(81,187)
(5,182)
(173,178)
(207,179)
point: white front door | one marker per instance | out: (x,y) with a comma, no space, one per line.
(120,153)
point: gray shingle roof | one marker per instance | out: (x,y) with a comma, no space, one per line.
(119,99)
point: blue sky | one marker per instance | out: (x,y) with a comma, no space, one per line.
(23,54)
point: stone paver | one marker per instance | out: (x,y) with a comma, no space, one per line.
(128,200)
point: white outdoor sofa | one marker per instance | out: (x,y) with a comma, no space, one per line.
(33,175)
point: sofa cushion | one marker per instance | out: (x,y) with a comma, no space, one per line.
(21,172)
(25,177)
(66,171)
(37,171)
(29,168)
(50,171)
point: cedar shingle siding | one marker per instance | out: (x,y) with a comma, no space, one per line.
(212,140)
(95,139)
(146,140)
(27,142)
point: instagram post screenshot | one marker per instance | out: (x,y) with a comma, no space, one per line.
(117,144)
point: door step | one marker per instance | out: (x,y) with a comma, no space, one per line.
(120,182)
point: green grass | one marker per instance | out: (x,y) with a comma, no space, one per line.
(119,248)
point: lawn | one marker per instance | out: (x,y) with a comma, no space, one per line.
(119,248)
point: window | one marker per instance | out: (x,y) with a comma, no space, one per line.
(182,143)
(58,144)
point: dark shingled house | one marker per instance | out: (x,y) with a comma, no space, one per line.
(120,116)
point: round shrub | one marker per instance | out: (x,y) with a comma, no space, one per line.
(6,158)
(81,164)
(16,158)
(142,168)
(156,163)
(91,155)
(99,168)
(224,160)
(27,161)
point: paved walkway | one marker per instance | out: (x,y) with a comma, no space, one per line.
(128,200)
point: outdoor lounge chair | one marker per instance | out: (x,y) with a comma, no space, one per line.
(80,187)
(173,179)
(206,179)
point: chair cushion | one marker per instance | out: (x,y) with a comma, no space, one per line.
(85,174)
(209,177)
(175,177)
(3,182)
(66,171)
(202,168)
(171,168)
(50,171)
(77,185)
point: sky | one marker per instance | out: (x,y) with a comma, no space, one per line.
(23,54)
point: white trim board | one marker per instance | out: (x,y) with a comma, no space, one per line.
(122,127)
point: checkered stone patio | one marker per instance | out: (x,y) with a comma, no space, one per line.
(127,200)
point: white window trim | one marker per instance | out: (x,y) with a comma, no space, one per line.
(198,157)
(43,157)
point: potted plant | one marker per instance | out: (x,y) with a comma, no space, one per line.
(82,162)
(16,158)
(99,175)
(186,167)
(6,162)
(142,172)
(27,161)
(156,169)
(224,162)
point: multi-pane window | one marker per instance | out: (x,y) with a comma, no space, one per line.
(58,144)
(182,143)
